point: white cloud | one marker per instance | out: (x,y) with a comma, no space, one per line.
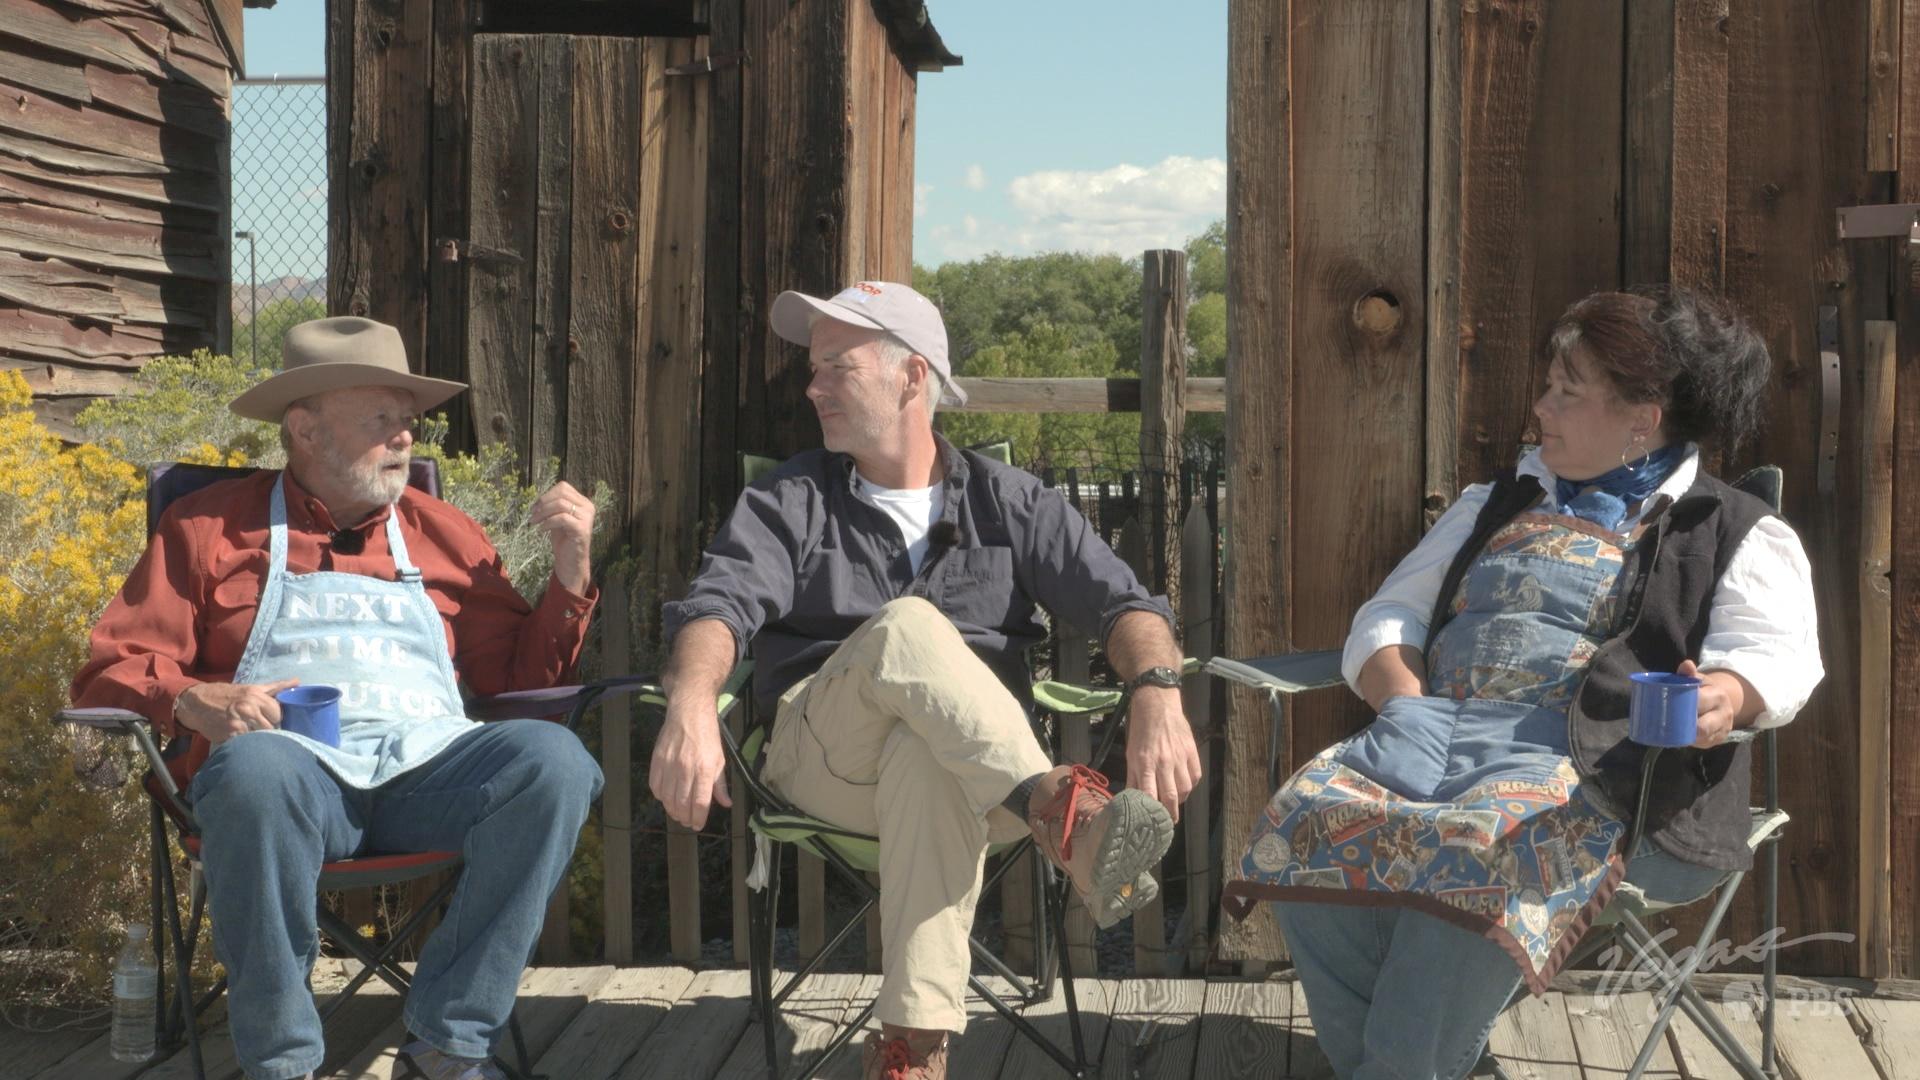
(1125,209)
(920,193)
(976,178)
(971,224)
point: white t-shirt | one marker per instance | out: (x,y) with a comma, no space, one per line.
(913,509)
(1762,624)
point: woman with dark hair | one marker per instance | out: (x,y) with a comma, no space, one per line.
(1461,844)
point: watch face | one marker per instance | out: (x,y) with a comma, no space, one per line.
(1159,676)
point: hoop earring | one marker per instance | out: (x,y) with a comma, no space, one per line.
(1637,441)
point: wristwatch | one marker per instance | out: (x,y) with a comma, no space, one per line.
(1155,676)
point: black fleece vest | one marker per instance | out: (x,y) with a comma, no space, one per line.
(1698,808)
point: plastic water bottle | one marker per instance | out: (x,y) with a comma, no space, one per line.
(135,986)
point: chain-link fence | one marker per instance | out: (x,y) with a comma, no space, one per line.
(279,210)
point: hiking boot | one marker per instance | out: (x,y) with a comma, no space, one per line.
(1108,844)
(419,1061)
(902,1053)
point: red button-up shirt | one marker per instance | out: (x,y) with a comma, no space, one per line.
(185,612)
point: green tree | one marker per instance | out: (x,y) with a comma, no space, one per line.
(273,322)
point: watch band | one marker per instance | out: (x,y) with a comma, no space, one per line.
(1161,676)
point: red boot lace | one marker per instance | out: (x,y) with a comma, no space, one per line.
(1080,779)
(896,1059)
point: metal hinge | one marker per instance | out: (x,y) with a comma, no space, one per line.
(709,63)
(1889,219)
(448,249)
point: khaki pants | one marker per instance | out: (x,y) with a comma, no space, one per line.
(905,734)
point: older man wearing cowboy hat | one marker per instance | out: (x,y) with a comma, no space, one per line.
(334,572)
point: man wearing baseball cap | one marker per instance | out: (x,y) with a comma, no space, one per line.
(888,585)
(333,572)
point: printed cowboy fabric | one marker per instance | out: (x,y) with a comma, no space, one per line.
(1465,804)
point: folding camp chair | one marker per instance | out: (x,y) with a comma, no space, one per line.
(167,778)
(776,823)
(1622,923)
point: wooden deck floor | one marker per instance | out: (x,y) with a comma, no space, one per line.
(601,1023)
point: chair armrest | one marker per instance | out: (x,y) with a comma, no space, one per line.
(124,722)
(1291,673)
(111,721)
(554,700)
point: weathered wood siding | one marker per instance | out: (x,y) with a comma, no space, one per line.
(1567,148)
(113,189)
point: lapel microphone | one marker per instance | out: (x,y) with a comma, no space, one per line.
(348,541)
(943,534)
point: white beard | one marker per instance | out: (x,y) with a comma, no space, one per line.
(368,481)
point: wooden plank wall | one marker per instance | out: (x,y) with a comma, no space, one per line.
(1801,68)
(113,174)
(1568,148)
(1904,780)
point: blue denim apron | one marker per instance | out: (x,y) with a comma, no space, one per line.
(1466,804)
(381,642)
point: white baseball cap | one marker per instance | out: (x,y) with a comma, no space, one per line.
(874,305)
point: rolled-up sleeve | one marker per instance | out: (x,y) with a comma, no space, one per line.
(1073,573)
(1399,612)
(1763,625)
(746,574)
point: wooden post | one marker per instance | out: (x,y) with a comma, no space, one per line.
(1445,333)
(1904,785)
(1016,915)
(1163,408)
(616,765)
(813,904)
(1197,606)
(663,496)
(1260,276)
(1876,647)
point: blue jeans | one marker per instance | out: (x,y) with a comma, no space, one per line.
(1397,994)
(510,797)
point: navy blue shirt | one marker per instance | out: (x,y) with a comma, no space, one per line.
(803,560)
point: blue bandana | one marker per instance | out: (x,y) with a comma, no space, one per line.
(1604,499)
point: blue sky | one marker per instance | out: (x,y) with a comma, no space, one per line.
(1072,125)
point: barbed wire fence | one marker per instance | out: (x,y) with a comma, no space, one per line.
(279,209)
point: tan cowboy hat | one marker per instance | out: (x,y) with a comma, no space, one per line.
(330,354)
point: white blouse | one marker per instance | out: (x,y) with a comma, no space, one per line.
(1762,626)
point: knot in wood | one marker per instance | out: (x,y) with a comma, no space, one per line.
(516,55)
(619,221)
(1378,312)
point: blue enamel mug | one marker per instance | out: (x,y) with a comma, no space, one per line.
(1665,710)
(313,711)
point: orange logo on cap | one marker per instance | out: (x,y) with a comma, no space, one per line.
(868,288)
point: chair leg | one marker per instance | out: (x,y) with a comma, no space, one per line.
(1042,928)
(1770,966)
(1061,951)
(182,956)
(1679,991)
(762,909)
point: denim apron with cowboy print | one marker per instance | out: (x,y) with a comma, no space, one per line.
(380,642)
(1466,804)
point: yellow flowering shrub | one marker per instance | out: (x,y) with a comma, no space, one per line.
(73,856)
